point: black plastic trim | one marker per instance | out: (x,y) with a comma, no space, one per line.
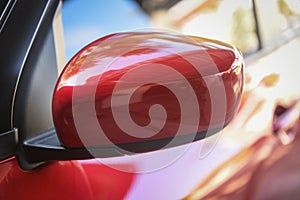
(5,7)
(8,143)
(46,147)
(28,74)
(16,37)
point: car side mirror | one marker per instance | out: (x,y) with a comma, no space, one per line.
(136,92)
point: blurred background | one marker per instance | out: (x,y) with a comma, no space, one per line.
(249,24)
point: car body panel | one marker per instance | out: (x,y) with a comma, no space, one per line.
(63,180)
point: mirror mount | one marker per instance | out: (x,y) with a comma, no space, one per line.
(26,93)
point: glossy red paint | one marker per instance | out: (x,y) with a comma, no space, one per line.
(74,180)
(135,72)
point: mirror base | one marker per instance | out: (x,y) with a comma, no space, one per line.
(46,147)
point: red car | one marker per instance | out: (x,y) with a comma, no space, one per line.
(126,118)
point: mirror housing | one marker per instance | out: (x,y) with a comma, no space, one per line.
(136,92)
